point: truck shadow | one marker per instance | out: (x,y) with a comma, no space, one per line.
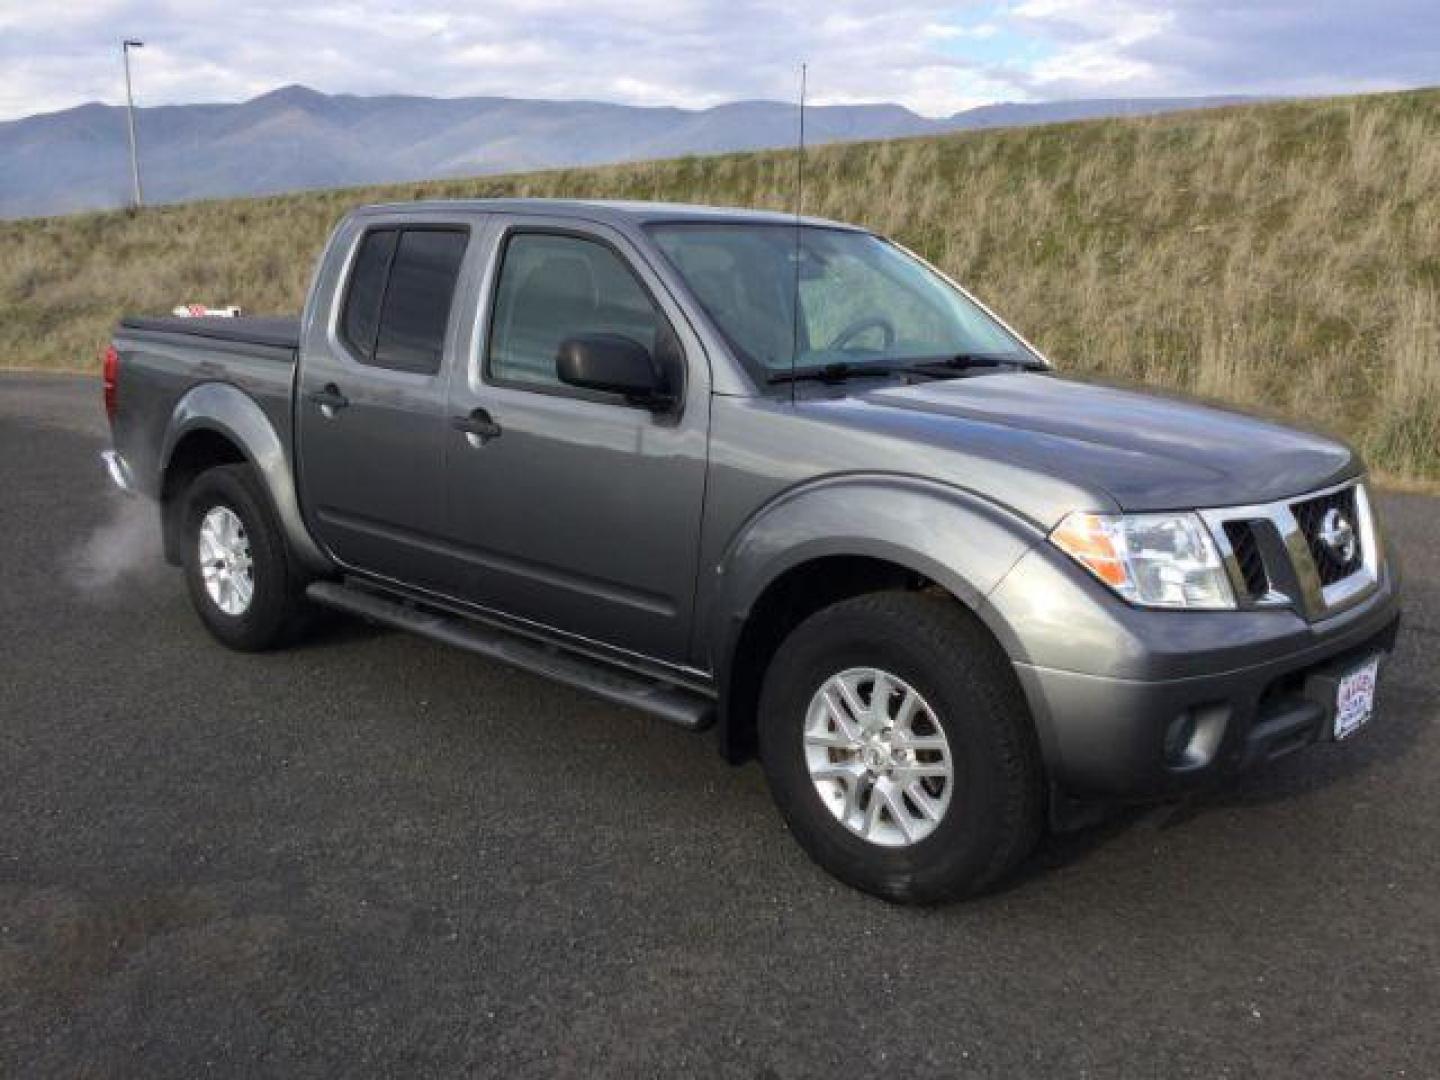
(1058,850)
(326,629)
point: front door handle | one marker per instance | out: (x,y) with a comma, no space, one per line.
(330,400)
(478,427)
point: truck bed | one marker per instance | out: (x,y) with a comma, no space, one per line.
(283,333)
(163,359)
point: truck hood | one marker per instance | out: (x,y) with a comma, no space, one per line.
(1147,451)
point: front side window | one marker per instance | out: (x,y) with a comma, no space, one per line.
(861,298)
(553,287)
(397,305)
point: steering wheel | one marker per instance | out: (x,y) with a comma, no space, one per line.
(858,327)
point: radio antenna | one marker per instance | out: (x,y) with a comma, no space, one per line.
(799,207)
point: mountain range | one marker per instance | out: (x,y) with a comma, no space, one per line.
(296,138)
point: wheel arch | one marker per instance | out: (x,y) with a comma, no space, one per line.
(219,424)
(199,449)
(839,538)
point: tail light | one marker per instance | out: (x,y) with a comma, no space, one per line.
(110,375)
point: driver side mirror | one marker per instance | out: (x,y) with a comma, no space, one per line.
(614,364)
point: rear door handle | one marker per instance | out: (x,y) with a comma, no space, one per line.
(330,400)
(479,427)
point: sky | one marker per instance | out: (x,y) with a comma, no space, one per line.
(934,57)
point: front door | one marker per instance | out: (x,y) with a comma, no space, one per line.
(579,511)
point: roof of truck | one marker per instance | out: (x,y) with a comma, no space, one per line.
(615,211)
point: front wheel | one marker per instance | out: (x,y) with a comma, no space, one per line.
(899,748)
(237,567)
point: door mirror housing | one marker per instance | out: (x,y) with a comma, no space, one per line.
(614,364)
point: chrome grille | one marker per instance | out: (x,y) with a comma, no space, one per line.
(1249,562)
(1290,553)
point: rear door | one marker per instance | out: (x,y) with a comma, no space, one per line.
(371,413)
(581,512)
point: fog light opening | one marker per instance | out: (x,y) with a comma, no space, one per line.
(1194,736)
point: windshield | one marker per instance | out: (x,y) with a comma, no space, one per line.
(862,299)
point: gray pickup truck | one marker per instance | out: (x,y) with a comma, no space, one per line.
(778,477)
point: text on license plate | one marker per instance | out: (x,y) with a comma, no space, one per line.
(1355,700)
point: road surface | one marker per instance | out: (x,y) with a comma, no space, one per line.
(375,855)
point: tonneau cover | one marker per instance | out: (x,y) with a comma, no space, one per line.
(275,332)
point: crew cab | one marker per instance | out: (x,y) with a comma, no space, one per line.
(781,478)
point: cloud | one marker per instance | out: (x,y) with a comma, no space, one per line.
(936,56)
(653,52)
(1143,47)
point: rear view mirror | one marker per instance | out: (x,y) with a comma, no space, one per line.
(614,364)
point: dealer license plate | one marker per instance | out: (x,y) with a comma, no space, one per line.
(1355,700)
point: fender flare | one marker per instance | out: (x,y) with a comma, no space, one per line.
(226,410)
(963,543)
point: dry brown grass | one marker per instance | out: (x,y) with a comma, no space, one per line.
(1284,255)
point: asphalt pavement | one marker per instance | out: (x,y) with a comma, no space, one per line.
(373,855)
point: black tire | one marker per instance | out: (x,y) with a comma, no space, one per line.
(276,609)
(996,810)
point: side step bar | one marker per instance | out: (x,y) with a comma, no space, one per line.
(687,708)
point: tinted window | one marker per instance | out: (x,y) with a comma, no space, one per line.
(417,300)
(554,287)
(367,288)
(399,297)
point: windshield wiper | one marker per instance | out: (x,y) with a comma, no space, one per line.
(947,365)
(936,366)
(953,367)
(829,373)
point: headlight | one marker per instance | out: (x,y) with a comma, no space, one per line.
(1154,560)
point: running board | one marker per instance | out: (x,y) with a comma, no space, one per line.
(687,708)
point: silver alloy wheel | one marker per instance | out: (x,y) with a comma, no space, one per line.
(225,562)
(878,757)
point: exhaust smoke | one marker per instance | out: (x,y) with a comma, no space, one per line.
(127,544)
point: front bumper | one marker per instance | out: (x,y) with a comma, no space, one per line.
(1108,737)
(1256,685)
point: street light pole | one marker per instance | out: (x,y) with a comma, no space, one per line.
(130,119)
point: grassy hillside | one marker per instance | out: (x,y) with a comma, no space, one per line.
(1286,255)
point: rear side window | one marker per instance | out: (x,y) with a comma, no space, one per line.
(367,288)
(398,302)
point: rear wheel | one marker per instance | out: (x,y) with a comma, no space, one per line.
(899,748)
(237,567)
